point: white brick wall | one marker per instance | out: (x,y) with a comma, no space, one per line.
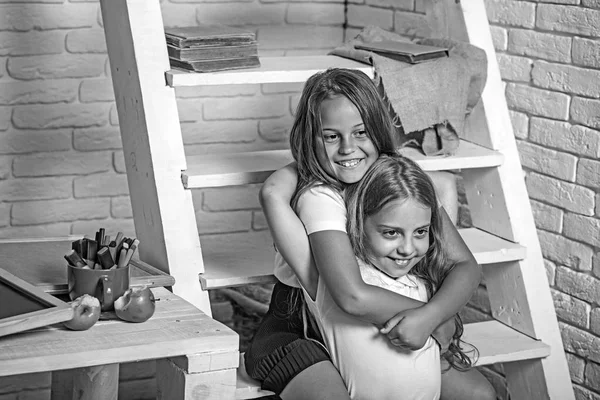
(62,170)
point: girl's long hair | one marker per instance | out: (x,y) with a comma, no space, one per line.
(398,178)
(306,130)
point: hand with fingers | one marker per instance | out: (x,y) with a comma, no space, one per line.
(409,329)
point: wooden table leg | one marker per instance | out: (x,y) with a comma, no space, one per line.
(198,376)
(92,383)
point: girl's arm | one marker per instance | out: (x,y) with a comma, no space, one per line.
(461,282)
(286,228)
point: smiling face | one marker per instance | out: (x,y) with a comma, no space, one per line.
(398,236)
(345,150)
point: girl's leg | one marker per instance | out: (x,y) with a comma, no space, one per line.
(320,381)
(469,385)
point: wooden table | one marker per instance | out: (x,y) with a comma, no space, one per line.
(197,356)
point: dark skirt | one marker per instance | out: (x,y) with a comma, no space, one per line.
(280,349)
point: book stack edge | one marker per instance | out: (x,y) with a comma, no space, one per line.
(404,51)
(211,48)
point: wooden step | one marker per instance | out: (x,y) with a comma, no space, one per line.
(213,170)
(272,70)
(496,343)
(240,258)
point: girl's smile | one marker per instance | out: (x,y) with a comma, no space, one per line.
(398,236)
(344,149)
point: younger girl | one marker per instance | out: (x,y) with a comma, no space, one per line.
(395,230)
(341,128)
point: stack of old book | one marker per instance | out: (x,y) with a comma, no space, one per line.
(210,48)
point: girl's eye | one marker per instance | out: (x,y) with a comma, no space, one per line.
(390,234)
(329,137)
(360,134)
(421,233)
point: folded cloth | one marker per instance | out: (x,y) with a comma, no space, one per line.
(428,100)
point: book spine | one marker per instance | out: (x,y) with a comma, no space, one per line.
(212,53)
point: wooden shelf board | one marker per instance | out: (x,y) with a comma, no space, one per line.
(241,258)
(468,155)
(498,343)
(214,170)
(495,342)
(272,70)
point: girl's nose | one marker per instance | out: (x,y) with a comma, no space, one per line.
(405,248)
(347,146)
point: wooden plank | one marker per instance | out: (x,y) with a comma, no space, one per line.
(241,258)
(163,210)
(246,387)
(175,384)
(495,342)
(468,156)
(213,170)
(272,70)
(26,307)
(176,328)
(498,343)
(90,383)
(490,249)
(205,362)
(41,263)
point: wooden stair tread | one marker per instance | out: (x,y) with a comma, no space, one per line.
(213,170)
(241,258)
(272,70)
(498,343)
(495,342)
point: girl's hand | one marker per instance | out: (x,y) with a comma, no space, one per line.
(409,329)
(443,334)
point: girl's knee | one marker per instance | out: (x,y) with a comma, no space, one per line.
(467,385)
(484,391)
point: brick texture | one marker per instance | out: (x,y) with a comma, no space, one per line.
(62,169)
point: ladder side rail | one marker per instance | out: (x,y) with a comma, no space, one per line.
(498,201)
(163,211)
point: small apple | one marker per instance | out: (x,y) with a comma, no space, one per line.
(136,304)
(86,311)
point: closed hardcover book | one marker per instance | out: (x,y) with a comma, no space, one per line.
(212,52)
(208,35)
(404,51)
(216,65)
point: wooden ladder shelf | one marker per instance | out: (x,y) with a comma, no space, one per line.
(524,334)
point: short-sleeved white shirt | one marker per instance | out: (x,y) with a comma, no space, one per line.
(320,208)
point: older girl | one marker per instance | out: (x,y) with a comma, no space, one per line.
(341,128)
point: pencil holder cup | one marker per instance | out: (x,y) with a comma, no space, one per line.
(106,285)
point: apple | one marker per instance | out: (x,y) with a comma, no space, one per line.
(86,312)
(136,304)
